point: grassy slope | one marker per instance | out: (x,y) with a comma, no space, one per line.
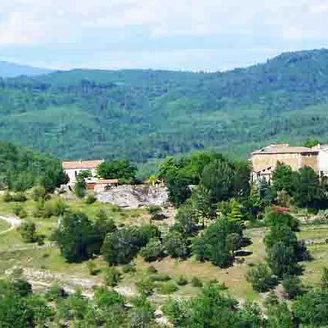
(49,258)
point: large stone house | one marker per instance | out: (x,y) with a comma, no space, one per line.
(73,168)
(322,159)
(265,160)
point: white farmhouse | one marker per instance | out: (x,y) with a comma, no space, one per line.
(73,168)
(322,159)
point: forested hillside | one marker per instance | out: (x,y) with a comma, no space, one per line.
(141,114)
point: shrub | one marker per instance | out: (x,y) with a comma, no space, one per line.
(176,245)
(19,197)
(22,214)
(55,207)
(90,199)
(182,281)
(292,286)
(40,239)
(151,270)
(261,278)
(28,232)
(17,208)
(152,251)
(145,287)
(38,193)
(55,292)
(91,265)
(7,197)
(112,277)
(168,287)
(160,277)
(128,268)
(196,282)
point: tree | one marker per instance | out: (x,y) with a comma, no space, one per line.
(309,192)
(201,202)
(261,278)
(279,316)
(311,143)
(74,237)
(311,308)
(235,214)
(282,250)
(324,278)
(218,242)
(218,178)
(186,220)
(178,189)
(292,286)
(28,232)
(120,169)
(122,245)
(153,250)
(176,245)
(80,187)
(282,178)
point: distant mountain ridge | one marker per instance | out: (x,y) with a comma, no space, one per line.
(142,114)
(8,69)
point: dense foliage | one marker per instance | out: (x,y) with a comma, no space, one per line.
(22,168)
(141,114)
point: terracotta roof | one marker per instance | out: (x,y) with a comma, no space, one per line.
(87,165)
(107,181)
(285,150)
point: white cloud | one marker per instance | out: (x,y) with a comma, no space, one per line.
(92,25)
(42,21)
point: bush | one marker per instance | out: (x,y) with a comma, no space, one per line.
(112,277)
(261,278)
(91,265)
(55,292)
(292,286)
(196,282)
(28,232)
(40,239)
(151,270)
(19,197)
(168,287)
(160,277)
(182,281)
(22,214)
(80,188)
(176,245)
(55,207)
(90,199)
(17,208)
(152,251)
(145,287)
(39,193)
(129,268)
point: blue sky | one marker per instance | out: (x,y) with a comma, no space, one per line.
(193,35)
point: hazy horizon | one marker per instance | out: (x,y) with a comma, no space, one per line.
(211,35)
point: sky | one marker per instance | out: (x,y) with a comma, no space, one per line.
(197,35)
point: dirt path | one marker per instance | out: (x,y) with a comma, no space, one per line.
(14,223)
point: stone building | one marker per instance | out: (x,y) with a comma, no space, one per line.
(265,160)
(73,168)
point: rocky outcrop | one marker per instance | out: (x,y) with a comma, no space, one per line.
(129,196)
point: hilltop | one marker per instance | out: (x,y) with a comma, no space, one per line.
(142,114)
(8,69)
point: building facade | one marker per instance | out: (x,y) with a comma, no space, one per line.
(265,160)
(74,168)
